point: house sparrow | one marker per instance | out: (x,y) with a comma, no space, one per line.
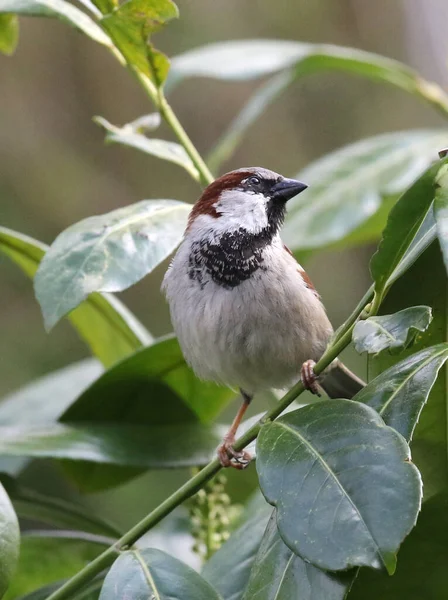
(245,312)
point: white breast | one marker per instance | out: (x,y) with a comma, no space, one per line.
(255,335)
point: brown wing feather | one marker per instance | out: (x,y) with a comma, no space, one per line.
(303,274)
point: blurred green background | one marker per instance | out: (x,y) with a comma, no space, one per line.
(55,169)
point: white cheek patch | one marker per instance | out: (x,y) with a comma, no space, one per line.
(238,209)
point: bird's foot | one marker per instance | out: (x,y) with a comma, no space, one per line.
(309,378)
(229,457)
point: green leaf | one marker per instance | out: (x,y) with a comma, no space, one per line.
(107,253)
(151,573)
(57,512)
(9,33)
(108,327)
(237,555)
(154,386)
(441,210)
(130,27)
(250,59)
(345,490)
(60,10)
(394,332)
(157,446)
(404,221)
(281,575)
(425,282)
(348,186)
(131,135)
(9,541)
(421,572)
(399,393)
(106,6)
(45,560)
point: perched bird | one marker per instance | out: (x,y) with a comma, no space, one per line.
(245,312)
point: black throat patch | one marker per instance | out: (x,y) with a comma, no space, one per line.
(230,261)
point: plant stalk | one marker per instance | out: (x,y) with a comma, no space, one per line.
(190,487)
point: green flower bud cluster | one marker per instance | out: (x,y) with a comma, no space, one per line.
(210,517)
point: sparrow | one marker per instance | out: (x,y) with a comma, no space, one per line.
(245,313)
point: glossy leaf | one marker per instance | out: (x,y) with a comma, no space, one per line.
(60,10)
(392,332)
(131,135)
(157,446)
(9,541)
(130,27)
(107,253)
(152,573)
(45,560)
(404,221)
(45,399)
(421,572)
(237,555)
(278,574)
(345,490)
(430,438)
(9,33)
(108,327)
(441,210)
(154,386)
(348,186)
(56,512)
(400,393)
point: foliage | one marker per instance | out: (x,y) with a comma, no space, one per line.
(338,473)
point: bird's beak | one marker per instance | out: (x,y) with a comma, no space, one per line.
(287,189)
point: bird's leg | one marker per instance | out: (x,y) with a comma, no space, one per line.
(229,457)
(309,378)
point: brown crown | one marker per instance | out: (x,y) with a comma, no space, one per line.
(205,204)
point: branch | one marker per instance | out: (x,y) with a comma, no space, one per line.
(340,341)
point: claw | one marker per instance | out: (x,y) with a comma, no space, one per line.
(308,377)
(229,457)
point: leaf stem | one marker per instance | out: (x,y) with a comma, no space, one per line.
(158,98)
(190,487)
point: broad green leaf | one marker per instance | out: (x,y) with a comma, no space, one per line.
(9,33)
(150,573)
(441,210)
(250,59)
(144,446)
(399,393)
(107,253)
(154,386)
(45,560)
(45,399)
(348,186)
(9,541)
(278,574)
(106,6)
(421,571)
(131,26)
(425,282)
(237,555)
(394,332)
(61,10)
(57,512)
(345,490)
(405,219)
(130,135)
(89,592)
(107,326)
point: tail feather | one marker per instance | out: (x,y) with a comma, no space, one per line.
(340,382)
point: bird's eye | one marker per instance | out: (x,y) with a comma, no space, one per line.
(254,180)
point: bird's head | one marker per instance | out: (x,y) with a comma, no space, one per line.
(253,199)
